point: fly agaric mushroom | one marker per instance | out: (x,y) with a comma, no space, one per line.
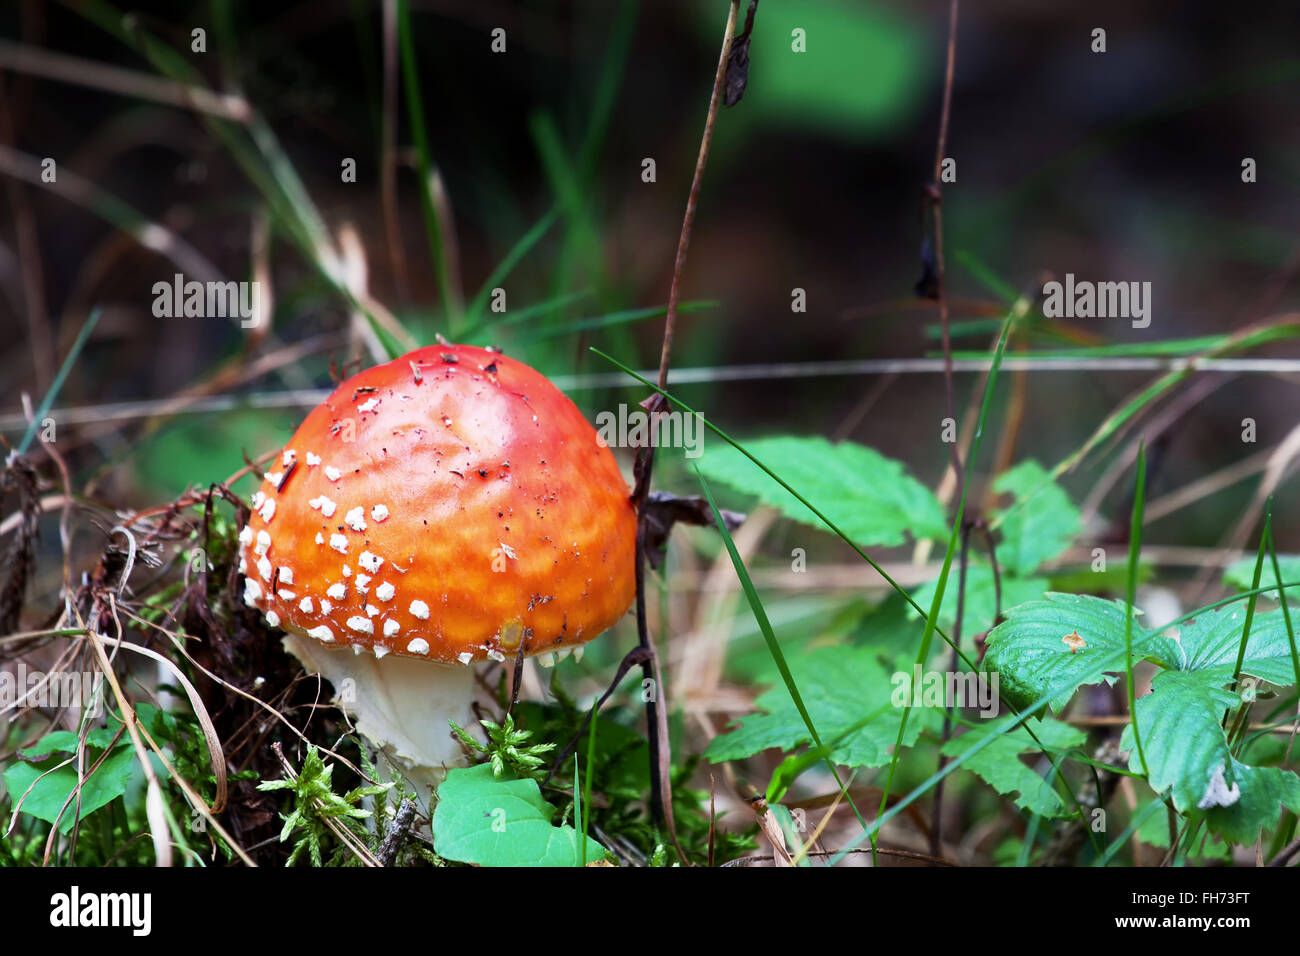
(447,507)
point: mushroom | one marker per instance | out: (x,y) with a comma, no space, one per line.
(447,507)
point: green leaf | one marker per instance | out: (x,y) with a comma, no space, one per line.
(1240,575)
(1000,766)
(1209,644)
(45,801)
(841,686)
(498,821)
(1039,525)
(981,597)
(860,71)
(1032,659)
(1187,753)
(1180,721)
(870,497)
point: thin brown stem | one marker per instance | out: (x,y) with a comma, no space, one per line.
(684,241)
(934,194)
(656,705)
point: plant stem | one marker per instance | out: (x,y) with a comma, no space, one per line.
(656,711)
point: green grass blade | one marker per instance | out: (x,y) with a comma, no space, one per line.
(983,273)
(1254,586)
(611,319)
(586,787)
(932,619)
(579,820)
(415,110)
(517,316)
(1286,610)
(91,321)
(1134,553)
(607,86)
(516,254)
(1113,422)
(1121,841)
(773,646)
(1232,599)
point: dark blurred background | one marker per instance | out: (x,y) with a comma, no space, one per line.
(1124,165)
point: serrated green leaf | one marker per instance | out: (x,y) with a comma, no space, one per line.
(1187,753)
(1209,644)
(1033,660)
(1180,721)
(1028,651)
(1240,575)
(999,764)
(841,686)
(872,498)
(499,821)
(1039,525)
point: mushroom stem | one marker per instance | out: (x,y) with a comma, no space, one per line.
(401,704)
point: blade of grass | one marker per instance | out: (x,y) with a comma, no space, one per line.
(565,181)
(773,646)
(968,328)
(611,319)
(579,821)
(1236,342)
(1230,599)
(432,223)
(1265,545)
(1036,819)
(1286,615)
(932,618)
(517,316)
(1134,552)
(606,96)
(586,789)
(789,769)
(1178,348)
(255,149)
(1245,339)
(517,252)
(607,86)
(91,321)
(1254,585)
(1122,840)
(985,275)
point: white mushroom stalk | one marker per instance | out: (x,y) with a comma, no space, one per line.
(401,704)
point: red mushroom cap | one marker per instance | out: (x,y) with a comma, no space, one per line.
(446,506)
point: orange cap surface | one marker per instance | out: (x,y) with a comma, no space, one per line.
(447,506)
